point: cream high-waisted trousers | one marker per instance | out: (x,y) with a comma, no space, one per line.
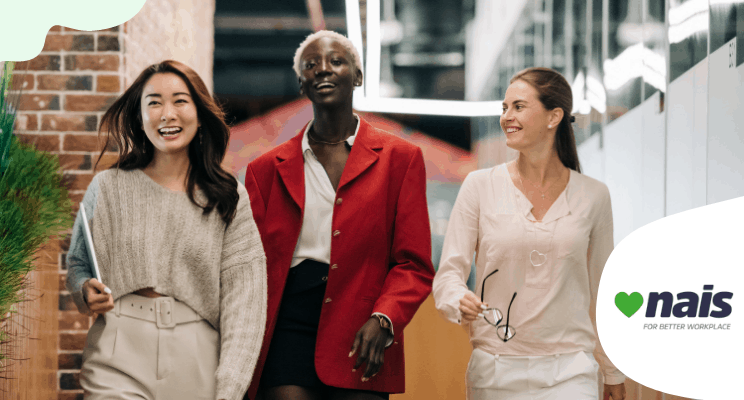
(571,376)
(150,349)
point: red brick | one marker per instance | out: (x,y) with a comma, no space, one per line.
(108,43)
(75,162)
(83,43)
(70,360)
(69,381)
(57,43)
(64,244)
(22,82)
(65,82)
(69,122)
(26,122)
(73,321)
(88,102)
(42,142)
(108,83)
(76,198)
(40,63)
(74,142)
(38,102)
(70,395)
(77,181)
(55,28)
(91,62)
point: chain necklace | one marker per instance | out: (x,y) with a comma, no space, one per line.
(537,258)
(542,192)
(309,135)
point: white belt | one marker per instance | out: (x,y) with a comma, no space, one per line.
(166,312)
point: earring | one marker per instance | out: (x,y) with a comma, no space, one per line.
(550,126)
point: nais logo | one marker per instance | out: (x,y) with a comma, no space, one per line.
(687,305)
(666,313)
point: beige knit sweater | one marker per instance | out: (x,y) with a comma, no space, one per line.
(146,235)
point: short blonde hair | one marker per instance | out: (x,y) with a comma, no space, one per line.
(329,34)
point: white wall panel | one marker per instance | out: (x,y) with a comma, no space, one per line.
(686,158)
(591,158)
(725,141)
(623,148)
(653,160)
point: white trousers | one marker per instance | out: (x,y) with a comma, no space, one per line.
(571,376)
(129,358)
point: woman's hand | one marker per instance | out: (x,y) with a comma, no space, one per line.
(98,300)
(614,392)
(370,340)
(471,307)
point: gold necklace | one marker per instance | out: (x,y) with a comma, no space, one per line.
(542,192)
(309,135)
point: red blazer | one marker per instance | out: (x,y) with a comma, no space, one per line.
(380,260)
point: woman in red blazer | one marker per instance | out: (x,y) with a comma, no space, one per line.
(342,213)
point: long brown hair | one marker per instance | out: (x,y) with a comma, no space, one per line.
(122,123)
(554,92)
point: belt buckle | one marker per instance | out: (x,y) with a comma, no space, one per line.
(164,313)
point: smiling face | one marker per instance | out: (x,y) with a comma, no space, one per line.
(525,121)
(328,73)
(169,116)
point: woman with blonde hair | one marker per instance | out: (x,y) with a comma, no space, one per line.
(541,233)
(342,212)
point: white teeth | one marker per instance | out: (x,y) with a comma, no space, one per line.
(169,131)
(512,130)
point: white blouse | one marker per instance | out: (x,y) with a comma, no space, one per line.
(554,309)
(315,234)
(317,219)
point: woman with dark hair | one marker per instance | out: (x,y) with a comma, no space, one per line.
(184,306)
(541,233)
(342,213)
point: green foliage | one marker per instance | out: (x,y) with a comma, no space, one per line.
(34,205)
(7,116)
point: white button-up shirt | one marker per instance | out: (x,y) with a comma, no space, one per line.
(555,308)
(317,220)
(315,235)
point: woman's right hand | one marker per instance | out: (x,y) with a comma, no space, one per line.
(471,307)
(98,300)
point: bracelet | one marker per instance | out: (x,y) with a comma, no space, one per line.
(384,323)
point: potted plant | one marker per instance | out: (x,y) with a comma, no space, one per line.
(34,207)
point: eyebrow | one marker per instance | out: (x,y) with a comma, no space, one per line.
(174,94)
(515,102)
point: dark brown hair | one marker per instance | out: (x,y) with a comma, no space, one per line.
(122,123)
(554,92)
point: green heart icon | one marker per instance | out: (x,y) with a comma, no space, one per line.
(628,305)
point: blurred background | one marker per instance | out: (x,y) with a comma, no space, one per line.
(656,86)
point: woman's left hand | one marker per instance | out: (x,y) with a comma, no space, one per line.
(614,392)
(370,340)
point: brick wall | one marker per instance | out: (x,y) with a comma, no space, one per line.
(66,90)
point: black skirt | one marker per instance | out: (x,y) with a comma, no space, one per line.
(291,357)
